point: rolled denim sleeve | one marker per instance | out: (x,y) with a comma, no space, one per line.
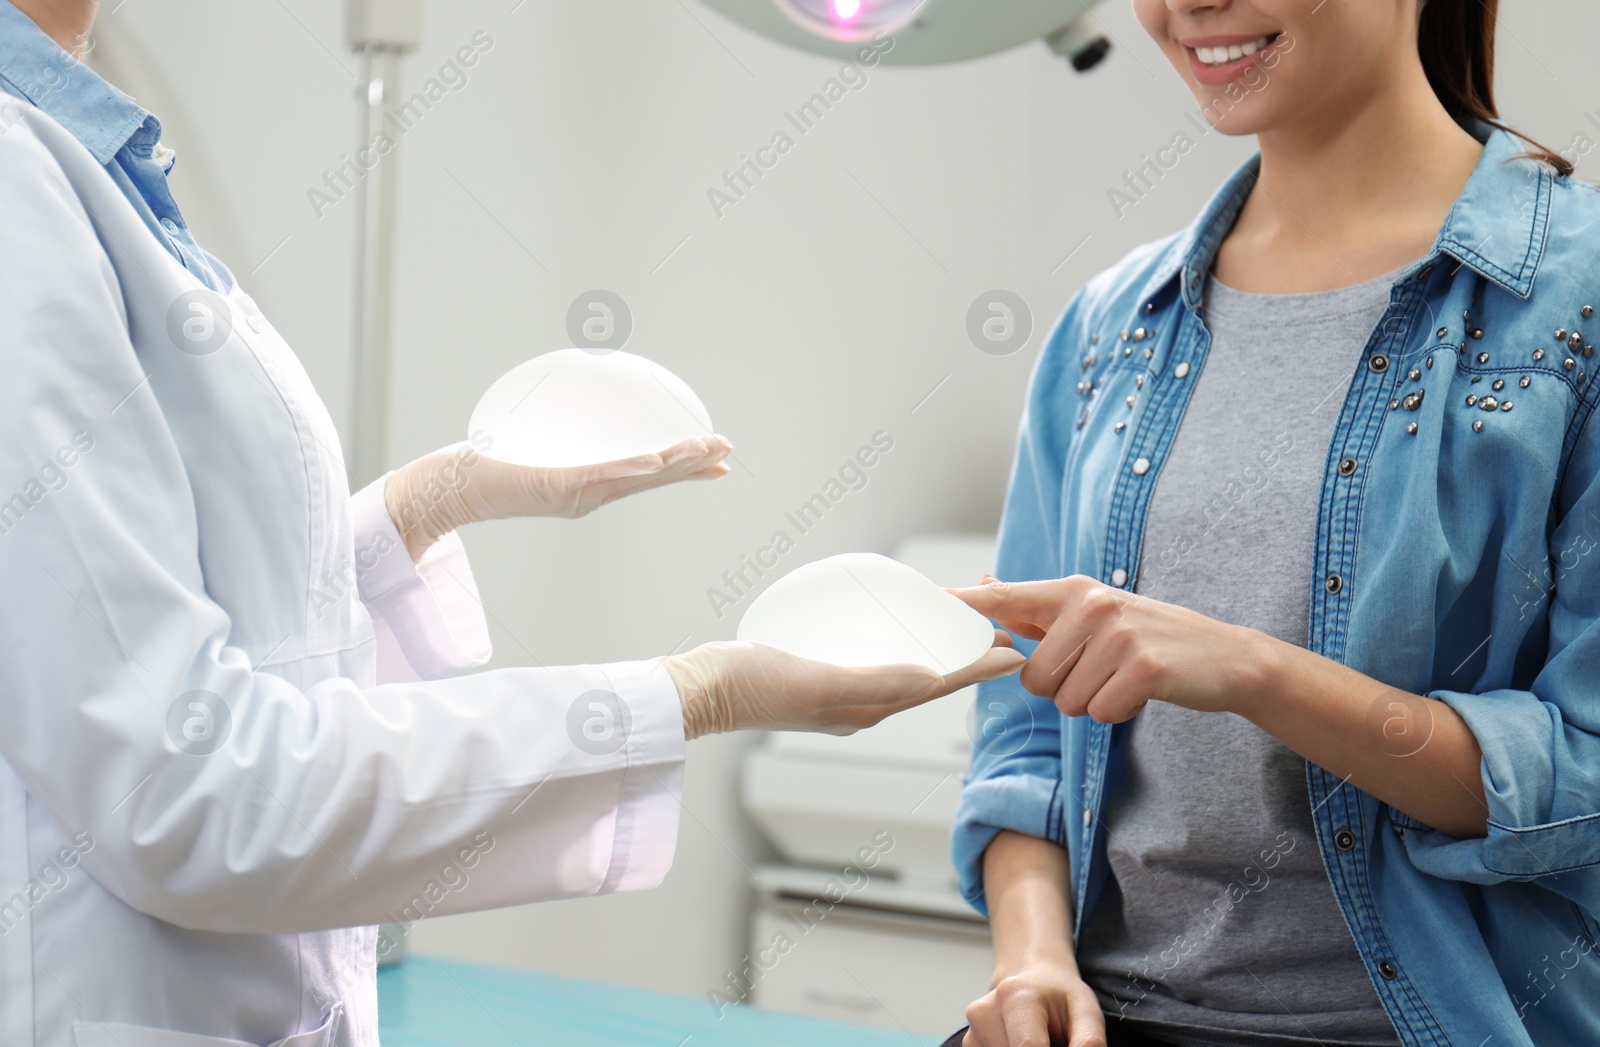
(1541,746)
(1020,791)
(1015,780)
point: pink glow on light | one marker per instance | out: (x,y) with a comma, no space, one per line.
(846,10)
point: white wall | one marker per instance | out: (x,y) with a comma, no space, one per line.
(821,308)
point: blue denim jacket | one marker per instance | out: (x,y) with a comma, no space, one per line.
(1456,556)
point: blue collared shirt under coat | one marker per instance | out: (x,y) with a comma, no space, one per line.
(1457,556)
(113,127)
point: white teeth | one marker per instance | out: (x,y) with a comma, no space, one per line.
(1220,55)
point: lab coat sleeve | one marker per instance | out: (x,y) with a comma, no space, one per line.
(304,807)
(1541,746)
(1015,782)
(426,614)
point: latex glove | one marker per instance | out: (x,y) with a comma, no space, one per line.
(456,485)
(740,685)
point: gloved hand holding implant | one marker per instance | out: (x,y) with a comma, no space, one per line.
(836,646)
(560,435)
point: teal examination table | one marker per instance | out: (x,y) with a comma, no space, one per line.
(427,1001)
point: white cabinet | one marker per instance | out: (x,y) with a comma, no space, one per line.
(912,972)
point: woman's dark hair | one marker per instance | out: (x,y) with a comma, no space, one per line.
(1456,41)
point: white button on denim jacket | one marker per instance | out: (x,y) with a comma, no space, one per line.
(1456,556)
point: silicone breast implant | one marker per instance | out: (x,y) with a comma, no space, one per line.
(584,407)
(862,609)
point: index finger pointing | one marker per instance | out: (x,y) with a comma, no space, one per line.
(1035,604)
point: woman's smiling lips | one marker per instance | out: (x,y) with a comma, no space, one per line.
(1217,60)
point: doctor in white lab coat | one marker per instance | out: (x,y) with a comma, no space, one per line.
(232,739)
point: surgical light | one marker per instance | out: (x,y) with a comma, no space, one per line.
(927,31)
(850,20)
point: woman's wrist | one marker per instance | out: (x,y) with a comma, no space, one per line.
(1026,881)
(1260,671)
(1043,951)
(1039,934)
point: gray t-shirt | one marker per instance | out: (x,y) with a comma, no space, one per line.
(1218,925)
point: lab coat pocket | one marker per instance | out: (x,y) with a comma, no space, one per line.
(109,1034)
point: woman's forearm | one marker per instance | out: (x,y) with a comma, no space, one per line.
(1414,753)
(1026,881)
(1105,653)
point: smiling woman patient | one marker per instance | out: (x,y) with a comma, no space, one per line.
(1326,767)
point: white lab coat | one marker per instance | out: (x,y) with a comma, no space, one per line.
(174,523)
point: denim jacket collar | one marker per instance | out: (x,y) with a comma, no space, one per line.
(1504,245)
(95,113)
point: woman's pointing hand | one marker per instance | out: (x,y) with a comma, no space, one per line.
(1104,652)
